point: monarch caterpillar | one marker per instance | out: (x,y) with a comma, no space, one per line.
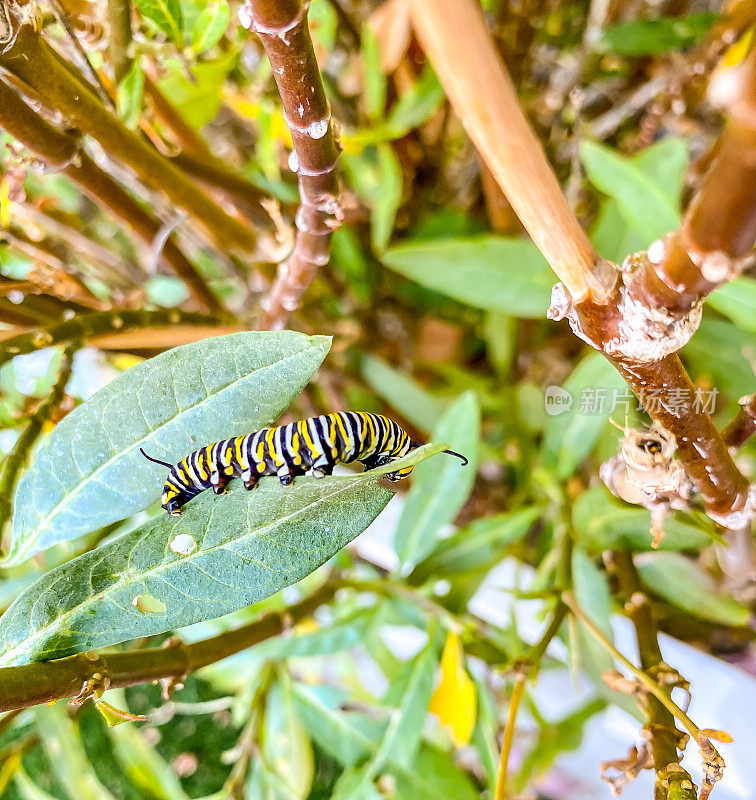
(310,446)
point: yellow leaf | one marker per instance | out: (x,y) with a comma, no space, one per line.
(736,52)
(124,361)
(454,701)
(6,205)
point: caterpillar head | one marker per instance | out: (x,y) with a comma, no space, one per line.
(403,473)
(171,500)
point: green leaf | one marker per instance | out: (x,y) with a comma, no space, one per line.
(373,79)
(737,300)
(644,206)
(500,333)
(27,789)
(142,765)
(439,490)
(401,740)
(210,26)
(130,94)
(198,96)
(490,272)
(286,744)
(403,393)
(666,164)
(650,37)
(66,754)
(434,775)
(415,107)
(404,731)
(335,731)
(571,434)
(89,471)
(683,584)
(722,353)
(342,635)
(166,14)
(376,175)
(604,523)
(249,545)
(479,544)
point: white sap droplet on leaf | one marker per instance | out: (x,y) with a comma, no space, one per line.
(183,544)
(148,604)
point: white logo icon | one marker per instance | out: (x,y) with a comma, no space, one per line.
(557,400)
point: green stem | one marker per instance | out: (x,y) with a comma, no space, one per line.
(18,457)
(119,16)
(31,684)
(89,326)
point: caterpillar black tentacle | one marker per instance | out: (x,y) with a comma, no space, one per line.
(308,447)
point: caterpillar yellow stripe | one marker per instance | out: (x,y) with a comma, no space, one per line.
(311,446)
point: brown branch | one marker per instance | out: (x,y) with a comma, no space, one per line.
(636,333)
(31,684)
(664,736)
(69,287)
(29,59)
(186,137)
(63,152)
(91,326)
(743,425)
(119,17)
(17,458)
(454,35)
(282,27)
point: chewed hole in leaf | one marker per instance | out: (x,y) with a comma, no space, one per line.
(148,604)
(183,544)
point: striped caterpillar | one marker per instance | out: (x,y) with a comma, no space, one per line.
(308,447)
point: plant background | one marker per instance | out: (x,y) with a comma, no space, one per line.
(436,302)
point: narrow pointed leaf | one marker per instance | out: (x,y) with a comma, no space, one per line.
(440,489)
(89,471)
(249,545)
(683,584)
(641,202)
(491,272)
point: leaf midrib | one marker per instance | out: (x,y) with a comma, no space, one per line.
(42,526)
(155,571)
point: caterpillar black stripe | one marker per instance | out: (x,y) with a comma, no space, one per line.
(308,447)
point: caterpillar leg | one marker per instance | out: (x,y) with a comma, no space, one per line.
(219,483)
(250,482)
(320,470)
(285,476)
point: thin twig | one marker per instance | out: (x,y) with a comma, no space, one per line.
(509,729)
(282,27)
(119,16)
(32,61)
(713,762)
(661,724)
(743,425)
(89,327)
(18,457)
(63,152)
(527,667)
(81,53)
(454,35)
